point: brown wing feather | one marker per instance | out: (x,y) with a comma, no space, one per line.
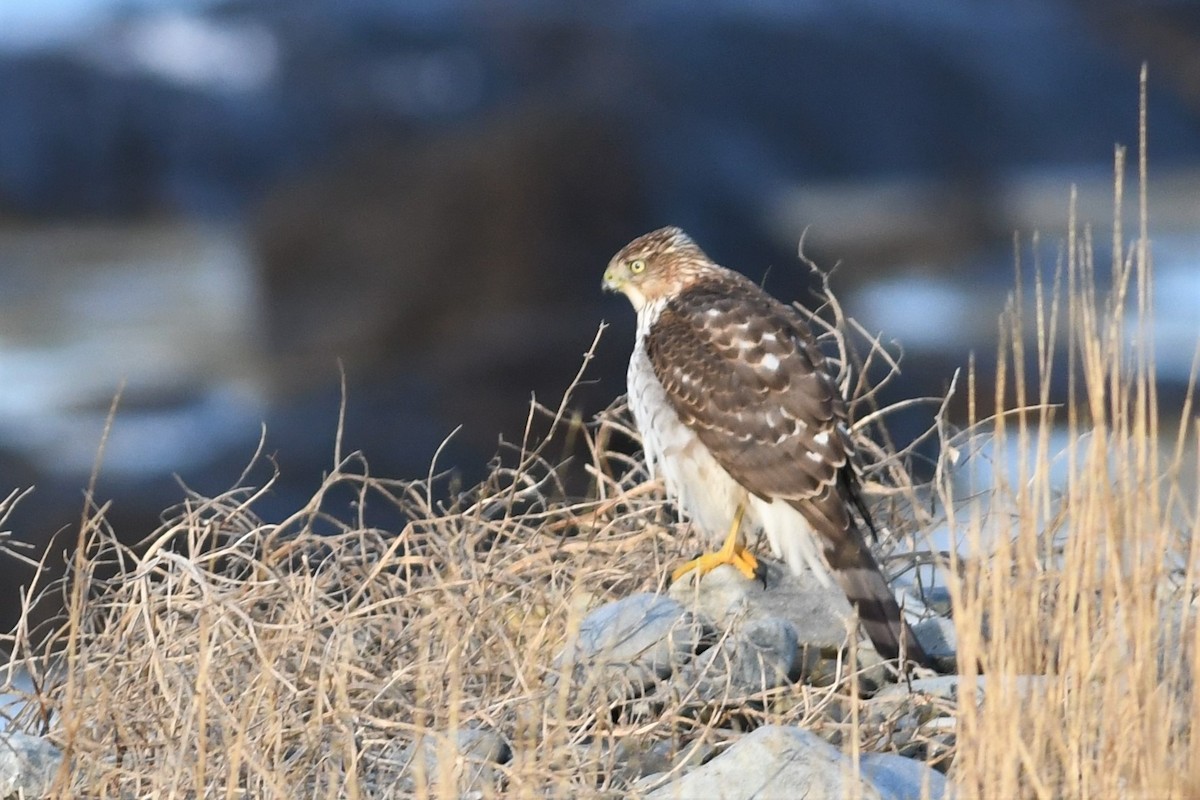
(745,372)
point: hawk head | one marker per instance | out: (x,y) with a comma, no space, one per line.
(655,265)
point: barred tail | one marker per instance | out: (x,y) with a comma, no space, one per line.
(856,571)
(878,611)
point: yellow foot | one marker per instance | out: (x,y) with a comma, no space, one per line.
(731,552)
(739,557)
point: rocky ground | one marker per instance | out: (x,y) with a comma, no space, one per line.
(724,687)
(726,640)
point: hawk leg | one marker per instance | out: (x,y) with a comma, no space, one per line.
(732,552)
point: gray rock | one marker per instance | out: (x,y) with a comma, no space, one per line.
(643,786)
(871,673)
(761,654)
(637,757)
(934,598)
(766,654)
(28,765)
(773,761)
(900,778)
(643,628)
(947,687)
(617,682)
(937,637)
(931,706)
(943,686)
(476,752)
(819,614)
(920,723)
(483,745)
(793,628)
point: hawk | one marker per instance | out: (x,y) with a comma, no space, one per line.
(739,414)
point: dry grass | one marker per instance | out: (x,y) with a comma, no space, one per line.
(226,657)
(1090,585)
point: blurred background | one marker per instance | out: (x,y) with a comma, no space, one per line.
(213,204)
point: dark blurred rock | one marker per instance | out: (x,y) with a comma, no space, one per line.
(444,182)
(471,260)
(1165,36)
(81,141)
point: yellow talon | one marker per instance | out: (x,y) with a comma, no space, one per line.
(731,552)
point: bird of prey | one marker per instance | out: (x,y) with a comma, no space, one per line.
(739,414)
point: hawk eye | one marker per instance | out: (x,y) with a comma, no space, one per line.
(637,265)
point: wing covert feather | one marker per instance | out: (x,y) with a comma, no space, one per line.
(744,371)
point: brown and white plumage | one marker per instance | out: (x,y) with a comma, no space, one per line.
(736,407)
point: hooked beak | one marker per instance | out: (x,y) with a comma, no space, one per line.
(613,281)
(616,279)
